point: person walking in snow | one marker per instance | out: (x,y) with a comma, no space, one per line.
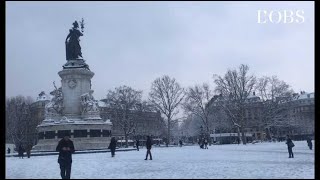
(290,146)
(202,144)
(112,146)
(28,152)
(148,145)
(180,143)
(65,148)
(20,151)
(137,144)
(206,143)
(309,143)
(8,150)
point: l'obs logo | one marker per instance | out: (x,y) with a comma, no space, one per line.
(282,16)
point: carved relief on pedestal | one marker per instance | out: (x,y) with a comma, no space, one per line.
(55,107)
(72,83)
(89,105)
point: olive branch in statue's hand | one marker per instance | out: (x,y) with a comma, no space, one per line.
(82,24)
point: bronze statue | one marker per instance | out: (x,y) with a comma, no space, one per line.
(73,49)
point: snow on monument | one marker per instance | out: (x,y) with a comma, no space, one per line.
(73,108)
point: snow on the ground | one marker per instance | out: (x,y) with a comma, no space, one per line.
(262,160)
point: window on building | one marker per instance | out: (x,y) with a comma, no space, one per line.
(50,134)
(61,133)
(106,133)
(40,135)
(80,133)
(95,132)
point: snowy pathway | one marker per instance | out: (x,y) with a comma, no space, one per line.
(263,160)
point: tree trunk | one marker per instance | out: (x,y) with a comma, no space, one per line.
(168,134)
(269,134)
(208,135)
(126,138)
(239,135)
(244,139)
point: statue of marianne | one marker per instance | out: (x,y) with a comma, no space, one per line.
(73,49)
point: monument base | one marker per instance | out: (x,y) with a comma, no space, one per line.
(84,134)
(76,63)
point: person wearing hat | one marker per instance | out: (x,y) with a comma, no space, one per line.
(65,149)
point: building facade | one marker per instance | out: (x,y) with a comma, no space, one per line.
(295,116)
(302,114)
(146,123)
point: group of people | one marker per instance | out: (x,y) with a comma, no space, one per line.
(203,143)
(21,151)
(66,148)
(113,144)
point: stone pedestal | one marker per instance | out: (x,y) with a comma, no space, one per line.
(80,114)
(74,83)
(85,142)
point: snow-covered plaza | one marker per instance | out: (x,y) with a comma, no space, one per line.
(261,160)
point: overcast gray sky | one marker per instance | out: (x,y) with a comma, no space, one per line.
(133,43)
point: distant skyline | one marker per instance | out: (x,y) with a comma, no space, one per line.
(133,43)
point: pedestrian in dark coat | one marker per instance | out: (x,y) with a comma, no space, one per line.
(148,145)
(202,143)
(65,149)
(8,150)
(20,151)
(290,146)
(137,144)
(28,152)
(206,143)
(309,143)
(112,146)
(180,143)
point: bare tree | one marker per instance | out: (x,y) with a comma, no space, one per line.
(220,119)
(190,126)
(271,88)
(166,95)
(20,126)
(146,106)
(274,94)
(235,87)
(196,102)
(124,101)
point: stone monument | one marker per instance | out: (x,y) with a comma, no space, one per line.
(73,108)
